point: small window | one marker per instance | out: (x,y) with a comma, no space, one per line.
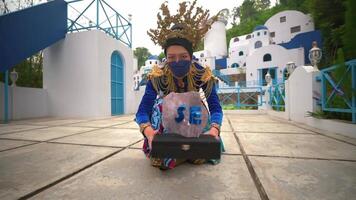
(244,64)
(258,33)
(295,29)
(234,65)
(265,32)
(248,37)
(267,57)
(150,62)
(202,55)
(283,19)
(272,34)
(258,44)
(241,53)
(236,39)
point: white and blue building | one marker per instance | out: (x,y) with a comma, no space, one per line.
(285,37)
(88,62)
(140,75)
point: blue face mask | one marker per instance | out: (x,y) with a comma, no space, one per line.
(180,68)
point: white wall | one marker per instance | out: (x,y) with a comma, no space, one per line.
(280,57)
(238,59)
(301,85)
(24,102)
(299,100)
(215,40)
(283,30)
(77,75)
(262,38)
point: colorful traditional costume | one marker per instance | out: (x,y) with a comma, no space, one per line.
(163,80)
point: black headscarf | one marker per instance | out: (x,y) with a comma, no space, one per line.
(179,41)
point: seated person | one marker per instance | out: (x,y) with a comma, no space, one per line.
(179,73)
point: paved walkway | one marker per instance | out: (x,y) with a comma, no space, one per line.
(266,158)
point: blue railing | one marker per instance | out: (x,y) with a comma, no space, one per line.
(338,88)
(249,96)
(107,19)
(241,96)
(277,97)
(222,76)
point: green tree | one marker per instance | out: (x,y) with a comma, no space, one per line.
(161,56)
(29,71)
(329,18)
(141,53)
(349,39)
(247,10)
(262,4)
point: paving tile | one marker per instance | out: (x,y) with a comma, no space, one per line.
(268,128)
(128,175)
(31,120)
(98,123)
(130,125)
(124,118)
(27,169)
(296,145)
(57,122)
(105,137)
(9,128)
(46,133)
(225,126)
(296,179)
(9,144)
(230,143)
(251,118)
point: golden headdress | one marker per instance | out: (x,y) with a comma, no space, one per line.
(192,26)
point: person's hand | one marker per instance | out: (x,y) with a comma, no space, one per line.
(214,132)
(150,133)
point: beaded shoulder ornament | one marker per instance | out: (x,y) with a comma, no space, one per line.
(194,27)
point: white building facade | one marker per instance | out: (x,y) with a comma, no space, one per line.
(140,75)
(89,75)
(285,37)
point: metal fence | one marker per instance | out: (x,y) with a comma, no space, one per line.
(241,97)
(338,88)
(277,97)
(106,19)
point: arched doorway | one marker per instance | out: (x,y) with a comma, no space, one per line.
(117,84)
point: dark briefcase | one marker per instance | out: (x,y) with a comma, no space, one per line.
(177,146)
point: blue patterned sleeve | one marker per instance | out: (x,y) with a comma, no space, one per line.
(145,108)
(215,109)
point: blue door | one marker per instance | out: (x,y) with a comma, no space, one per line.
(262,73)
(117,84)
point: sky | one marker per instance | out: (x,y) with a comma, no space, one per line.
(144,16)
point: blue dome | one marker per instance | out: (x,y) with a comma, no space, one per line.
(153,57)
(260,27)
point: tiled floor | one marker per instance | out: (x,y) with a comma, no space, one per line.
(52,158)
